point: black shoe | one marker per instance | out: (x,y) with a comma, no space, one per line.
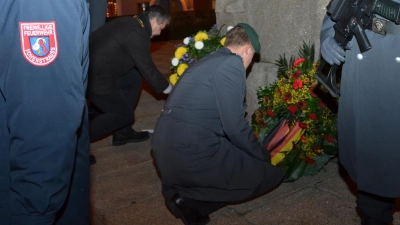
(188,215)
(92,160)
(366,220)
(121,139)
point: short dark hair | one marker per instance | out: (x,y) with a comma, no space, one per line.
(237,37)
(158,12)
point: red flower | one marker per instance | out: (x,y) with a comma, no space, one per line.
(270,113)
(292,109)
(261,123)
(266,99)
(313,89)
(287,97)
(313,116)
(297,84)
(298,61)
(309,161)
(296,74)
(329,139)
(316,147)
(302,105)
(303,138)
(302,125)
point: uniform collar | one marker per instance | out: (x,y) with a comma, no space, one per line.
(144,22)
(231,53)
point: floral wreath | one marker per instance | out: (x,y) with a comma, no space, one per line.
(296,119)
(194,48)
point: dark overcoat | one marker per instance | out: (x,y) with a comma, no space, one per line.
(203,146)
(368,120)
(118,47)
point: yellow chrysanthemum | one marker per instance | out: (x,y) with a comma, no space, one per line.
(180,51)
(201,36)
(223,41)
(173,78)
(181,68)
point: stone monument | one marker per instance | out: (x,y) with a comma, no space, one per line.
(282,26)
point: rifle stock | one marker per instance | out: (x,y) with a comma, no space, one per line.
(329,81)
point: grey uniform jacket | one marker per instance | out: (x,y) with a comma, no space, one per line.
(369,109)
(203,146)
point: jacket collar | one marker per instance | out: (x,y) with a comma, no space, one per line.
(144,21)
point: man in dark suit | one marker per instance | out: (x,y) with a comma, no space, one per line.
(119,58)
(98,12)
(44,139)
(212,157)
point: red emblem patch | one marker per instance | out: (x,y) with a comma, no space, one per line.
(39,42)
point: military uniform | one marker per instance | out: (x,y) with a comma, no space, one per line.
(44,144)
(368,117)
(368,113)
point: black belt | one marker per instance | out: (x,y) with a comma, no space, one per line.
(386,16)
(383,26)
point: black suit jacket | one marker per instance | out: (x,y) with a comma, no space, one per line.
(118,47)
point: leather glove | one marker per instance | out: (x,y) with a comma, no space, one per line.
(332,52)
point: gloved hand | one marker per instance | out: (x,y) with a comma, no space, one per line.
(331,51)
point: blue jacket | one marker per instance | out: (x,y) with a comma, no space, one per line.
(44,145)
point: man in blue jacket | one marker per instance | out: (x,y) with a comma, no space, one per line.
(44,143)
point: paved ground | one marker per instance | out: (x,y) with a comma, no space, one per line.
(126,189)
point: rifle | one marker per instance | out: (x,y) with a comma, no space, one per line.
(352,17)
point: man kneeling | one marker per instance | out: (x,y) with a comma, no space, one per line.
(204,148)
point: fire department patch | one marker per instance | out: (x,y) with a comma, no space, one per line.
(39,42)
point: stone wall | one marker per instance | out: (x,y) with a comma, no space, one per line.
(282,26)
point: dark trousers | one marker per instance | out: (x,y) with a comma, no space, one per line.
(79,186)
(117,108)
(376,208)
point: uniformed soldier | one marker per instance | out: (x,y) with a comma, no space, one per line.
(44,144)
(368,119)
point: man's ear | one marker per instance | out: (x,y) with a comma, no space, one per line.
(248,49)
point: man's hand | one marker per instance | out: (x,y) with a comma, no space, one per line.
(331,51)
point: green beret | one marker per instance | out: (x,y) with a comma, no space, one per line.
(253,36)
